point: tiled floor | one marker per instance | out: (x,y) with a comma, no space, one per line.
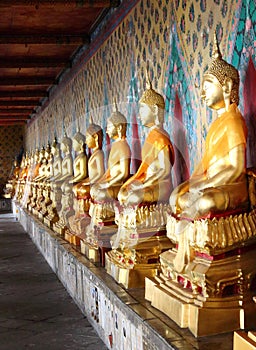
(36,312)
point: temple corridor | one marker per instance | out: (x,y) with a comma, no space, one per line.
(36,311)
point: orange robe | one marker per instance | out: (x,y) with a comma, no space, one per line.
(156,141)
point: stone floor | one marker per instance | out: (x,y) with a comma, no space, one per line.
(36,312)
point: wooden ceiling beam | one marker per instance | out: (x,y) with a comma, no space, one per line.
(14,118)
(25,81)
(6,123)
(29,39)
(19,103)
(69,3)
(23,94)
(32,63)
(16,110)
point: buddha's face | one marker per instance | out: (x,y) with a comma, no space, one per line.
(146,115)
(76,145)
(63,147)
(212,93)
(112,130)
(90,141)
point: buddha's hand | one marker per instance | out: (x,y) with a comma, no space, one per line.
(122,195)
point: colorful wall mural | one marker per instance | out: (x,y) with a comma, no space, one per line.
(172,40)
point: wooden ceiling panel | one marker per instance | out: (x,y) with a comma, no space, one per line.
(38,41)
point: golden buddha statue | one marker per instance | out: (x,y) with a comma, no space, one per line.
(45,170)
(219,182)
(22,178)
(57,161)
(141,218)
(9,190)
(107,187)
(52,215)
(33,173)
(104,192)
(81,190)
(93,139)
(210,272)
(64,183)
(80,162)
(40,166)
(80,172)
(152,182)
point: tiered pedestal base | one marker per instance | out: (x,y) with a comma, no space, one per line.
(211,295)
(90,251)
(77,229)
(96,251)
(59,228)
(50,220)
(131,273)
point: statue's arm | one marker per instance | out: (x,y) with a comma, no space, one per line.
(233,170)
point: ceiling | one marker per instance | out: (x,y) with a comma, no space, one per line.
(38,42)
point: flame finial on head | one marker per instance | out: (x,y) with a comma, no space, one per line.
(115,109)
(216,54)
(90,119)
(148,82)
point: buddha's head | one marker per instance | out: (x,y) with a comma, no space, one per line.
(152,107)
(66,143)
(94,136)
(78,141)
(116,124)
(220,81)
(55,147)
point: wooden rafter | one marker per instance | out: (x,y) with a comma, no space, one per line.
(24,81)
(19,103)
(70,3)
(32,63)
(44,39)
(23,94)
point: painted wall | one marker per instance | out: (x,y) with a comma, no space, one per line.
(173,41)
(11,146)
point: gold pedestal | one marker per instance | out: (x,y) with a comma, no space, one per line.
(213,291)
(133,277)
(212,317)
(244,341)
(77,228)
(98,242)
(60,228)
(130,266)
(90,251)
(52,217)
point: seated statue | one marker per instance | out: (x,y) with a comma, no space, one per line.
(9,190)
(57,161)
(218,185)
(80,162)
(219,182)
(107,187)
(63,183)
(141,217)
(152,182)
(55,191)
(45,170)
(66,165)
(94,137)
(81,190)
